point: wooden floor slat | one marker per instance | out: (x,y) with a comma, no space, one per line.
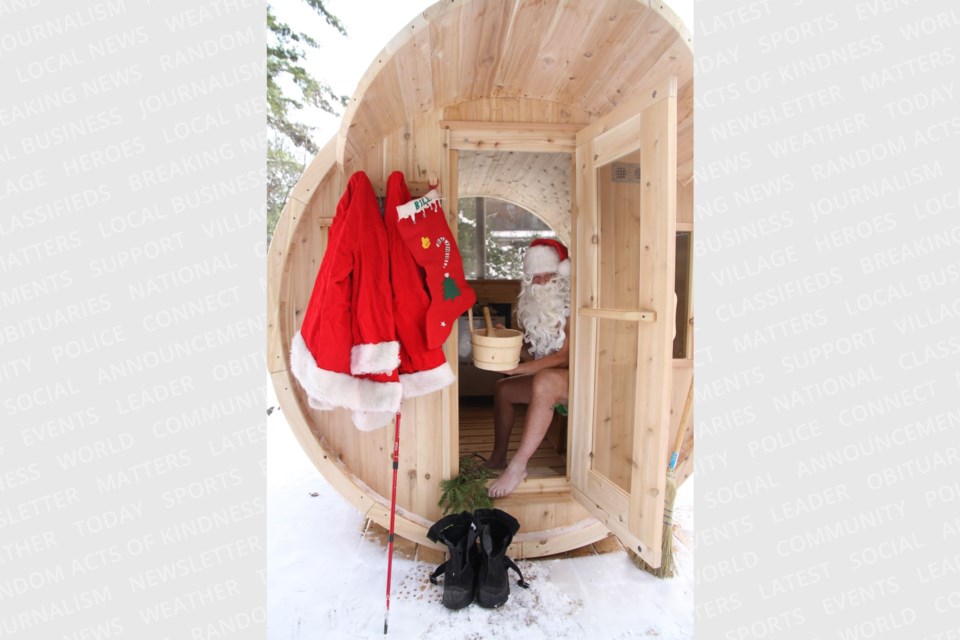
(476,436)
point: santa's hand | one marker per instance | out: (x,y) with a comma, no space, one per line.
(518,370)
(499,325)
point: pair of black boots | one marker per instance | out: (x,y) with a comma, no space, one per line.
(478,561)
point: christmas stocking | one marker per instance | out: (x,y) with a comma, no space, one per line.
(422,370)
(424,230)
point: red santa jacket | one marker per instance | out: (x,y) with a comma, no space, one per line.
(346,353)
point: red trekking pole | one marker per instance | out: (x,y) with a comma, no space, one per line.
(393,513)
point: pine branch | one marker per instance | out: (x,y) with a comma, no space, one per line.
(468,491)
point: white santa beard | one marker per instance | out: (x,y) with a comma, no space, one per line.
(542,310)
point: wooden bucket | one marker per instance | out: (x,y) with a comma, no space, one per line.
(494,349)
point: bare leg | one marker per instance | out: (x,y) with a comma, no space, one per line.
(549,387)
(507,392)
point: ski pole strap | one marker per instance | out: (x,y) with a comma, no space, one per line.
(439,572)
(512,565)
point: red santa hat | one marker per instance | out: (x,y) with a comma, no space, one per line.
(546,256)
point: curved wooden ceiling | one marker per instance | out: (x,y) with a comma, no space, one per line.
(538,182)
(589,54)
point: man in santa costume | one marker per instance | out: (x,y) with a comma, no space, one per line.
(542,379)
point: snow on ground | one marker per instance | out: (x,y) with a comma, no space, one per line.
(326,581)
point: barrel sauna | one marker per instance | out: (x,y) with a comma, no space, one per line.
(580,112)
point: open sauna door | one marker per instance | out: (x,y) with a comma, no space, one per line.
(623,251)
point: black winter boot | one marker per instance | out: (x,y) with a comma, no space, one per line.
(497,529)
(459,533)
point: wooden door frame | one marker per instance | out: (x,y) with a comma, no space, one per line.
(471,135)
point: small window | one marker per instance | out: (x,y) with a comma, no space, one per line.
(492,235)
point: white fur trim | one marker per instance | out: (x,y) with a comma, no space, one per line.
(540,259)
(423,382)
(380,357)
(328,389)
(564,268)
(372,420)
(410,210)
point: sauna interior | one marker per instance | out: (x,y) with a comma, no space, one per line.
(506,199)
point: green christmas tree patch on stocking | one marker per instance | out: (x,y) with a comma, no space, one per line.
(424,229)
(450,289)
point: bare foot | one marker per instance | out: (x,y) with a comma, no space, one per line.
(496,463)
(507,481)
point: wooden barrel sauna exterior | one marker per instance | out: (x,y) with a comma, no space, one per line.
(490,96)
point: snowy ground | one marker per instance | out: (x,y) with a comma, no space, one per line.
(327,581)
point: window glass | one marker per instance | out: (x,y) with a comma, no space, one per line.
(492,235)
(467,238)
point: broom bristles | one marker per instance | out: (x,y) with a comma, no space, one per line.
(666,568)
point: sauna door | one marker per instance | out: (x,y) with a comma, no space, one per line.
(624,244)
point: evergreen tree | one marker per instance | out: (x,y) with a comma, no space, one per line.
(283,172)
(286,48)
(467,237)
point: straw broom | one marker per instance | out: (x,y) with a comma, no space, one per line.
(666,569)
